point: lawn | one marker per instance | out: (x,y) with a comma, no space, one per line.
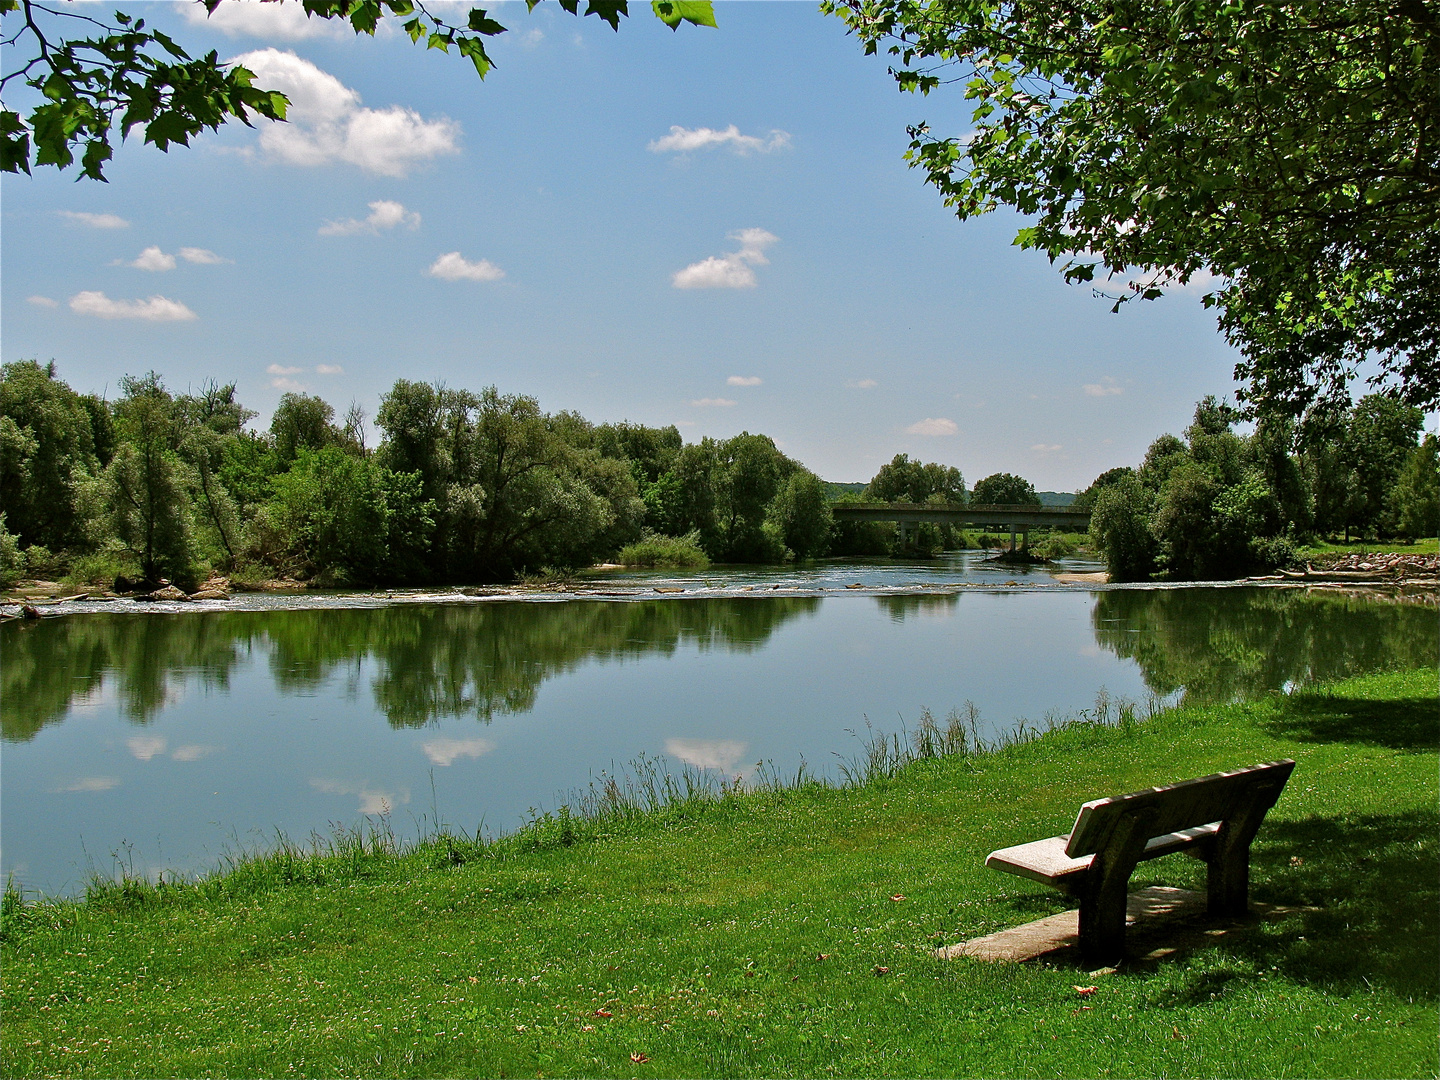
(1333,546)
(786,932)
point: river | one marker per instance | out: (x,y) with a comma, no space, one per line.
(161,737)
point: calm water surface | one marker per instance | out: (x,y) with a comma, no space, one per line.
(171,738)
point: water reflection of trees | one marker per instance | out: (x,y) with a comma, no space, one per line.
(428,661)
(900,605)
(1226,644)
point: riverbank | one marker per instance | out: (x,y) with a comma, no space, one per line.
(785,931)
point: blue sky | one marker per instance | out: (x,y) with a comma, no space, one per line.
(585,226)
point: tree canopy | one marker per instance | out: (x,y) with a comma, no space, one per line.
(95,76)
(1283,154)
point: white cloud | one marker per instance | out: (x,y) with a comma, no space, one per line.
(193,752)
(384,214)
(202,256)
(327,123)
(95,221)
(372,800)
(445,751)
(719,754)
(42,301)
(155,309)
(743,380)
(272,21)
(90,783)
(152,258)
(862,384)
(684,140)
(282,380)
(1043,448)
(936,425)
(532,37)
(712,403)
(146,747)
(732,271)
(452,267)
(329,369)
(1104,388)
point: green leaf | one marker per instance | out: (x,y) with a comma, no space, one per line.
(482,23)
(673,12)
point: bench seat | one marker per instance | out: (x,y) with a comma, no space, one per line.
(1045,861)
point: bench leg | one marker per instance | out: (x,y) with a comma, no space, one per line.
(1102,903)
(1227,878)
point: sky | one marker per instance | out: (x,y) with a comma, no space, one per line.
(713,228)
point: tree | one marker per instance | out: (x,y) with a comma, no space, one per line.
(209,422)
(1085,500)
(1383,433)
(47,456)
(301,422)
(800,515)
(903,480)
(130,76)
(150,510)
(1120,527)
(1415,500)
(1286,147)
(750,470)
(1004,489)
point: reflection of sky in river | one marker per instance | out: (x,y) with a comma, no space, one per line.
(254,736)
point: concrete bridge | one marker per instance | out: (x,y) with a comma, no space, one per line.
(1019,518)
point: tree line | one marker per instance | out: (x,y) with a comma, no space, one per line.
(487,487)
(464,486)
(1218,504)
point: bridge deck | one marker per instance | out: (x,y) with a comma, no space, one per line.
(951,514)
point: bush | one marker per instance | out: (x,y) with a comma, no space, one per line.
(101,568)
(12,563)
(655,550)
(1053,546)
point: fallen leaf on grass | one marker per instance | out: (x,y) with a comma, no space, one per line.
(1086,991)
(897,897)
(639,1059)
(474,978)
(882,970)
(822,956)
(603,1012)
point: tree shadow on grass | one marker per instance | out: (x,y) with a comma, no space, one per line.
(1400,725)
(1368,892)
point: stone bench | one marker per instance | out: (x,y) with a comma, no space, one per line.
(1214,818)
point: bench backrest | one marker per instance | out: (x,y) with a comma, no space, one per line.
(1185,805)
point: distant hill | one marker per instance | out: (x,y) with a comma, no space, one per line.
(834,490)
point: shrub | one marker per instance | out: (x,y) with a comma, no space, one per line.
(655,550)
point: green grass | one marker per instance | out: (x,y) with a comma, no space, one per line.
(746,933)
(1429,546)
